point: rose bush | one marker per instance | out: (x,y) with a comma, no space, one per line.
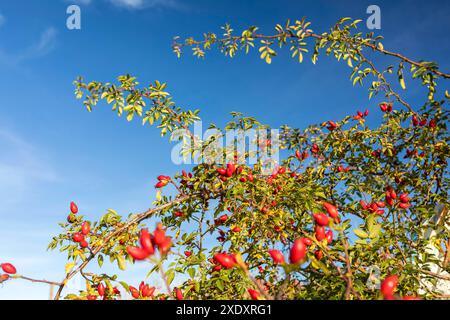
(348,198)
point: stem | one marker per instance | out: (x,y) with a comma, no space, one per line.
(37,280)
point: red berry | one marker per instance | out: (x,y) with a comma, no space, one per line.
(404,205)
(187,253)
(392,194)
(161,184)
(73,207)
(380,204)
(134,292)
(329,236)
(137,253)
(3,277)
(179,213)
(223,218)
(165,246)
(222,171)
(163,178)
(389,200)
(389,285)
(318,254)
(321,219)
(85,228)
(410,298)
(101,289)
(91,297)
(236,229)
(178,294)
(404,197)
(231,168)
(331,210)
(159,235)
(331,125)
(147,291)
(254,294)
(277,256)
(78,237)
(146,241)
(298,251)
(84,244)
(320,233)
(363,204)
(8,268)
(307,241)
(71,218)
(225,260)
(281,170)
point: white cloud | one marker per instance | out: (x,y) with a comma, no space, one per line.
(84,2)
(45,44)
(135,4)
(144,4)
(132,4)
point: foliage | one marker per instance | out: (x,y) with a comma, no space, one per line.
(385,181)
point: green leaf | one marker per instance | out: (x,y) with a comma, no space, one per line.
(100,260)
(121,262)
(361,233)
(191,272)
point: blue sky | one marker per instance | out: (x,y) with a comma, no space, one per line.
(54,151)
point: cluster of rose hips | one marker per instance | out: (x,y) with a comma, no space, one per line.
(391,195)
(342,169)
(301,155)
(412,153)
(225,173)
(386,107)
(185,177)
(374,207)
(79,237)
(162,181)
(315,148)
(103,291)
(361,115)
(331,125)
(377,207)
(148,243)
(145,291)
(299,247)
(416,122)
